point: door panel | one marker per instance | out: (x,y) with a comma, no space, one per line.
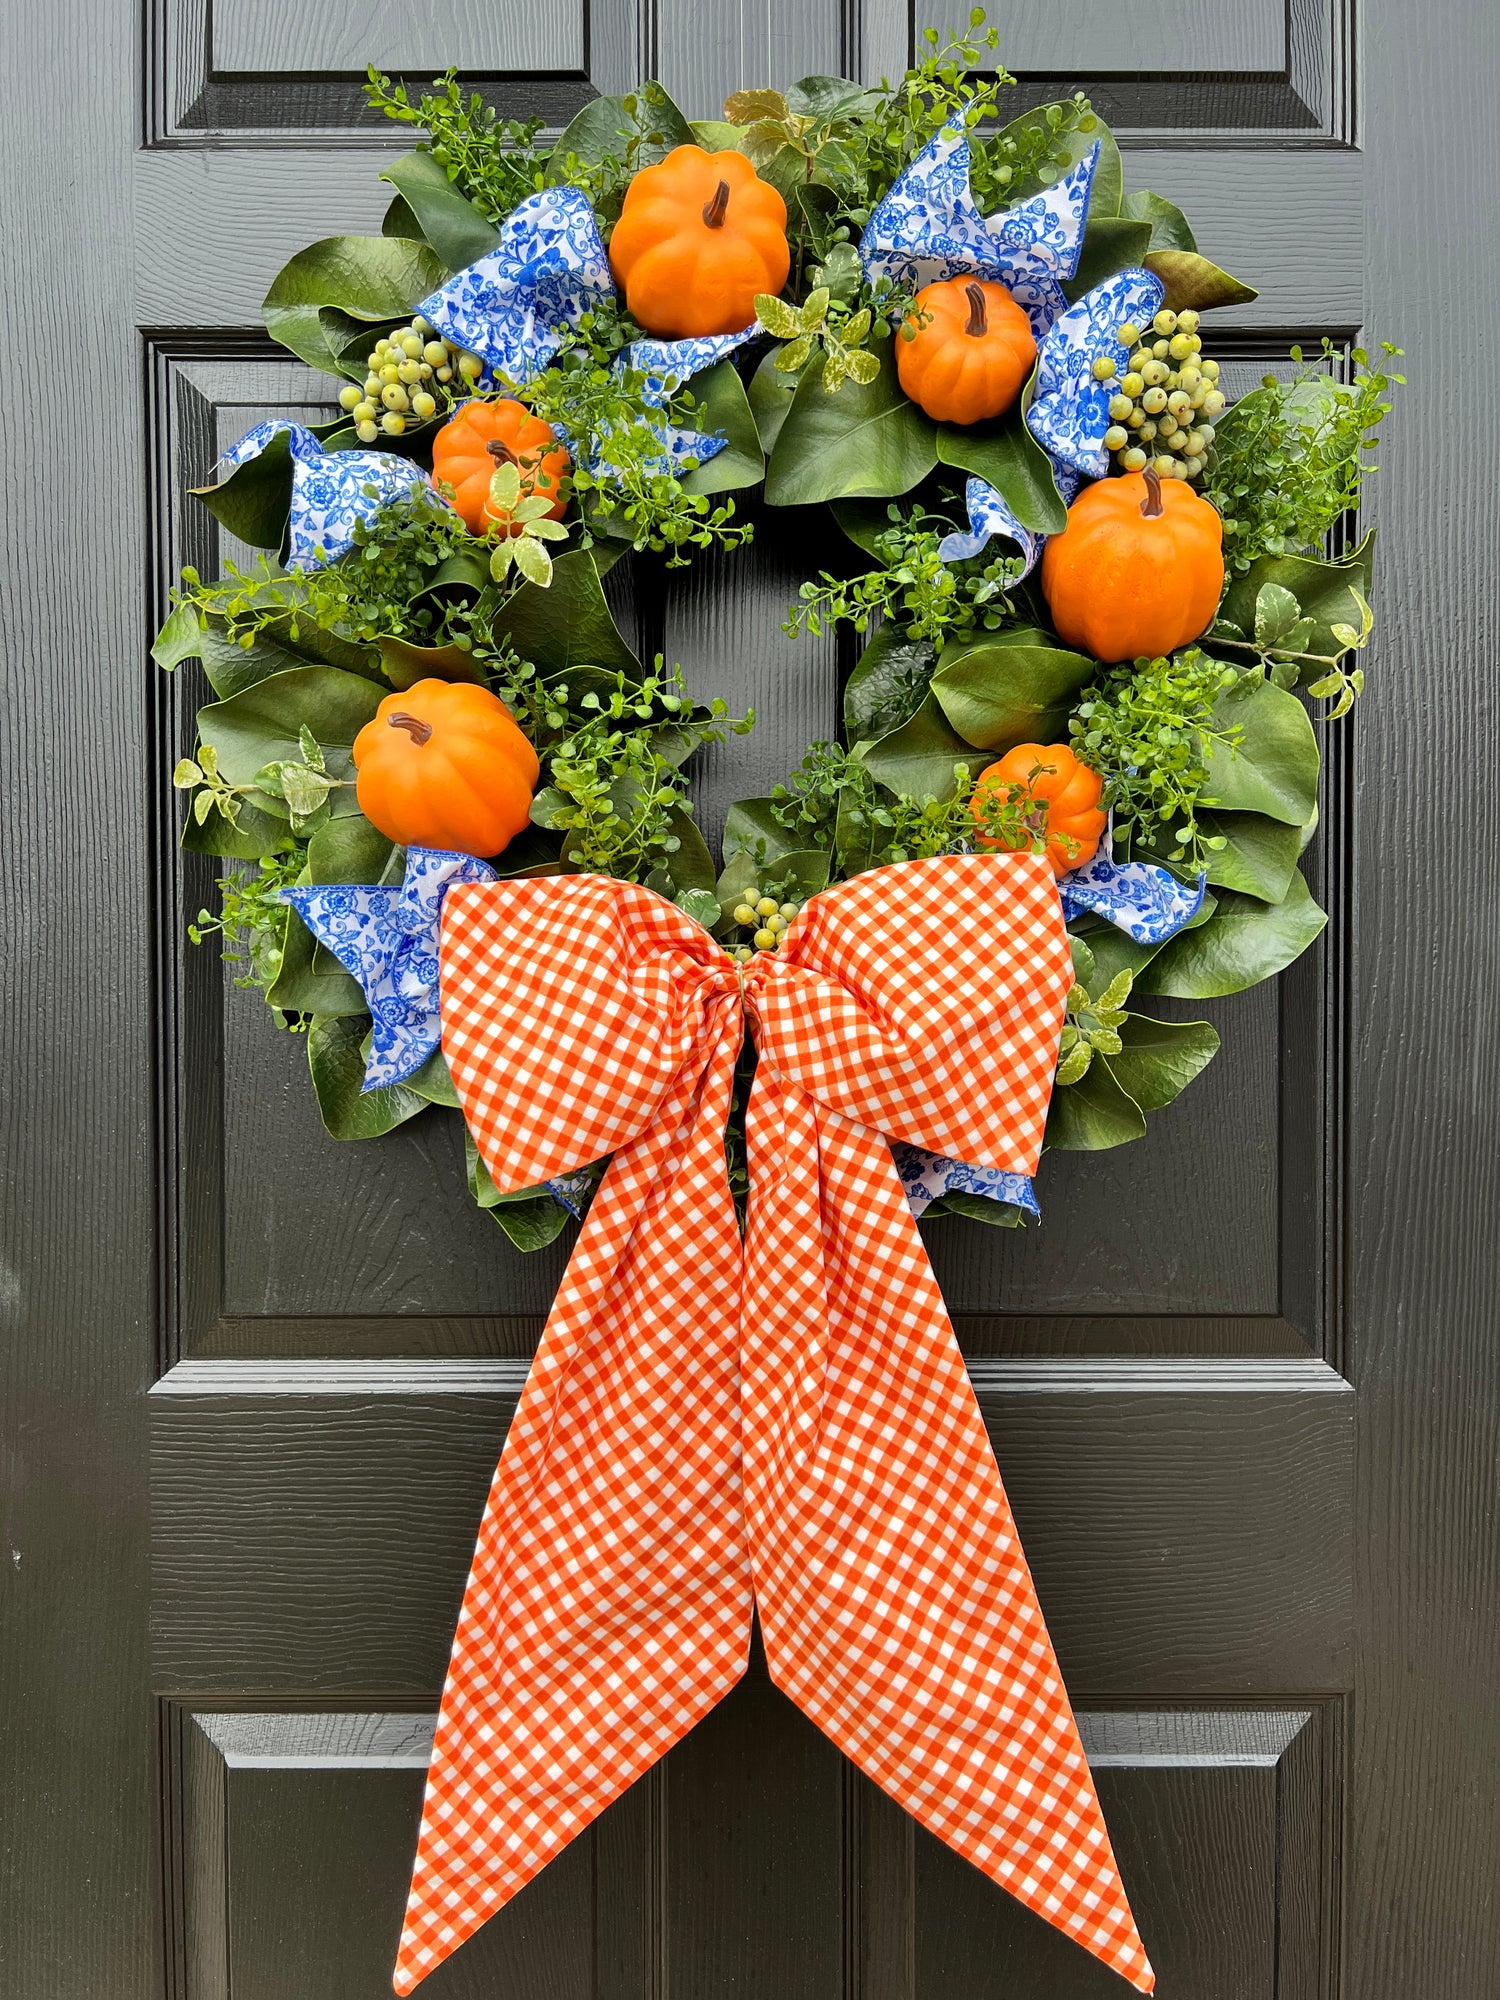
(1262,1585)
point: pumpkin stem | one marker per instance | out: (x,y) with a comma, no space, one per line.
(501,453)
(1151,506)
(415,727)
(977,323)
(714,211)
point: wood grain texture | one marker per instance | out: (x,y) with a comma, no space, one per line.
(1179,1541)
(275,35)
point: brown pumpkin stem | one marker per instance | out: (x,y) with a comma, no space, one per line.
(977,324)
(1151,506)
(415,727)
(501,453)
(715,211)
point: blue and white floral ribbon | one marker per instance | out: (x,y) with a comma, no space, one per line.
(925,1176)
(1146,902)
(666,366)
(331,490)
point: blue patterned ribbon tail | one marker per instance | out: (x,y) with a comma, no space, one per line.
(1069,413)
(925,1176)
(331,490)
(1148,903)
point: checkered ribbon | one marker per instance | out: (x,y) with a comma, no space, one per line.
(711,1427)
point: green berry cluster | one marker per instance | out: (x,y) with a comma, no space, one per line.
(1163,408)
(765,919)
(405,370)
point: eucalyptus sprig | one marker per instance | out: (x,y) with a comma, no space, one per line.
(493,161)
(916,589)
(251,918)
(1280,644)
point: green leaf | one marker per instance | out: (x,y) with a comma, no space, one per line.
(1006,454)
(181,638)
(888,684)
(864,521)
(841,274)
(398,220)
(250,837)
(770,397)
(604,128)
(1244,942)
(866,440)
(1274,767)
(1108,175)
(1170,229)
(701,905)
(692,866)
(1009,688)
(434,1081)
(451,224)
(311,980)
(1094,1114)
(1159,1059)
(1328,593)
(980,1208)
(262,726)
(1110,243)
(369,278)
(530,1217)
(715,135)
(749,824)
(1260,858)
(1276,612)
(920,757)
(1193,281)
(406,664)
(723,406)
(781,321)
(532,560)
(334,1055)
(566,623)
(348,850)
(803,871)
(254,501)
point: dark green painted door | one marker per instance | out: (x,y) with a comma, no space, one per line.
(1242,1383)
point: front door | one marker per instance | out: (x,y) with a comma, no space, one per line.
(257,1381)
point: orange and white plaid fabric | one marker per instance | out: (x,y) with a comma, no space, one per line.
(711,1426)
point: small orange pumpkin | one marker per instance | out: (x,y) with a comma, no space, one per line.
(1066,796)
(1139,569)
(444,765)
(699,235)
(484,435)
(969,361)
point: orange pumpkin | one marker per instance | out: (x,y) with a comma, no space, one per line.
(969,361)
(443,765)
(699,235)
(1061,795)
(484,435)
(1139,569)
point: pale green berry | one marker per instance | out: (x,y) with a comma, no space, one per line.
(367,432)
(422,326)
(744,915)
(1180,348)
(765,939)
(1165,466)
(379,352)
(1116,438)
(411,346)
(1128,334)
(1169,426)
(1136,419)
(1140,357)
(1165,321)
(365,412)
(393,423)
(1104,369)
(1195,343)
(372,385)
(470,367)
(423,405)
(1161,349)
(1200,395)
(1189,378)
(436,352)
(1179,403)
(1134,460)
(390,372)
(1210,369)
(1213,402)
(1120,408)
(1153,374)
(1132,384)
(1207,433)
(789,910)
(776,923)
(445,374)
(1187,322)
(424,371)
(348,397)
(410,371)
(1146,432)
(766,907)
(395,397)
(1154,401)
(1192,465)
(1193,444)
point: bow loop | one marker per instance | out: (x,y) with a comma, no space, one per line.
(924,1000)
(611,1002)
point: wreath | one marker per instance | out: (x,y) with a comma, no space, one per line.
(1099,612)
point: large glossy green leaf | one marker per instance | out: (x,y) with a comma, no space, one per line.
(263,725)
(750,826)
(251,836)
(978,1208)
(406,664)
(530,1217)
(1093,1114)
(1244,942)
(254,501)
(722,406)
(232,667)
(453,226)
(363,278)
(605,129)
(888,684)
(311,980)
(1170,229)
(1006,454)
(568,622)
(863,521)
(1110,243)
(1273,769)
(770,397)
(1160,1058)
(1193,281)
(1325,593)
(1261,856)
(348,850)
(180,638)
(1010,688)
(920,759)
(335,1057)
(1108,175)
(866,440)
(1113,952)
(692,866)
(434,1081)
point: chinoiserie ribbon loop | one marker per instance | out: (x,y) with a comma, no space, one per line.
(713,1426)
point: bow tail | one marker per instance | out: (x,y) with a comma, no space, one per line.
(609,1605)
(896,1604)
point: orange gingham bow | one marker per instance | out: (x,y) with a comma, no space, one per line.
(709,1427)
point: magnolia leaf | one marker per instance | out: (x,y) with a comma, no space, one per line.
(406,664)
(750,827)
(1094,1114)
(1244,942)
(335,1057)
(1110,244)
(1273,769)
(450,223)
(869,440)
(1192,281)
(888,684)
(310,979)
(920,759)
(1259,857)
(1009,688)
(371,279)
(1159,1059)
(1330,594)
(347,850)
(1170,229)
(1004,453)
(568,623)
(723,407)
(263,725)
